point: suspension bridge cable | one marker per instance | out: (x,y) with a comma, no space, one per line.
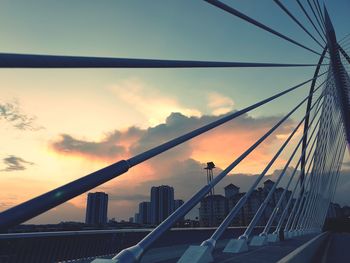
(262,207)
(313,83)
(335,185)
(345,43)
(310,20)
(314,197)
(308,194)
(331,187)
(316,17)
(278,2)
(310,198)
(256,23)
(9,60)
(318,8)
(211,242)
(291,198)
(147,241)
(44,202)
(345,55)
(166,146)
(335,165)
(296,206)
(286,209)
(338,168)
(278,205)
(344,38)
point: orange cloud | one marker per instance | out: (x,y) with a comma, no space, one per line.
(221,145)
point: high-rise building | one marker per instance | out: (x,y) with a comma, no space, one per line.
(233,196)
(137,218)
(231,191)
(96,208)
(213,210)
(145,213)
(162,203)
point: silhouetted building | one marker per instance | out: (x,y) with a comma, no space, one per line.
(252,205)
(145,213)
(96,209)
(162,203)
(137,218)
(233,195)
(249,209)
(231,190)
(212,211)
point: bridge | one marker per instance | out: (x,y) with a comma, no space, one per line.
(295,235)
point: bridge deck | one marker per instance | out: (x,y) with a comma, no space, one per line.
(272,252)
(337,250)
(266,254)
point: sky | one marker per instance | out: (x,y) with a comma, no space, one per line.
(61,124)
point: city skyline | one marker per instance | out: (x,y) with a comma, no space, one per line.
(84,120)
(146,213)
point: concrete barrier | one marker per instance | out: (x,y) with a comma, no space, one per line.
(307,252)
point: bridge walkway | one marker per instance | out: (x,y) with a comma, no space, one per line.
(337,249)
(270,253)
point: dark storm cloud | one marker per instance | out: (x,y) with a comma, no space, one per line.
(139,140)
(177,124)
(14,163)
(68,144)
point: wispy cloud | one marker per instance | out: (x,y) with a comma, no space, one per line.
(11,113)
(151,104)
(219,104)
(14,163)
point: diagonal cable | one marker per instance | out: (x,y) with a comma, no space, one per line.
(318,8)
(8,60)
(278,2)
(310,20)
(256,23)
(316,17)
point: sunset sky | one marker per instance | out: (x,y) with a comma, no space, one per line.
(66,123)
